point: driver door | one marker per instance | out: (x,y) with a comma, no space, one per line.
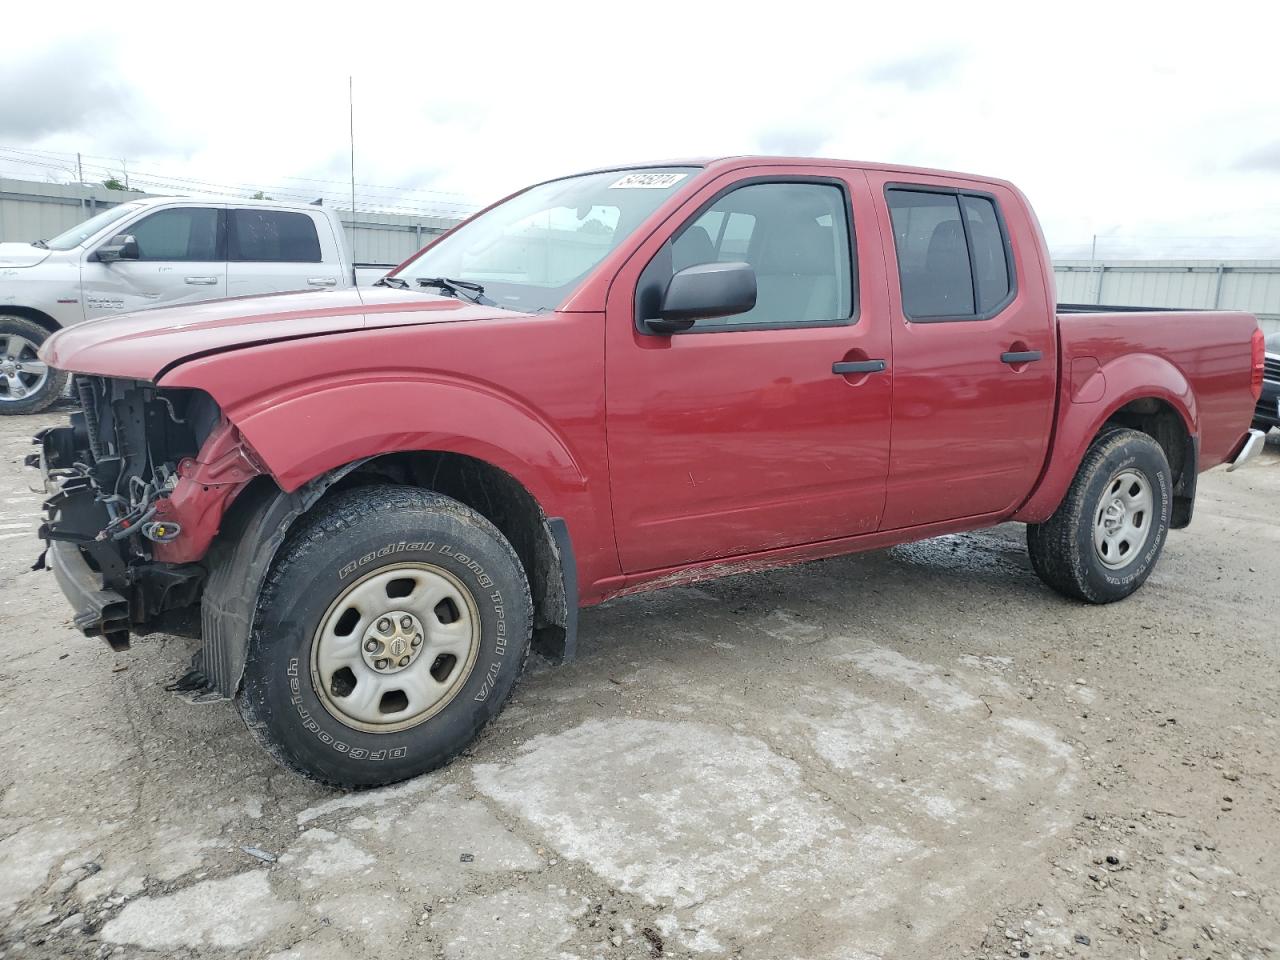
(181,258)
(746,433)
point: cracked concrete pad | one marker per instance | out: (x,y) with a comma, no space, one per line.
(323,944)
(232,912)
(713,822)
(28,855)
(367,799)
(509,923)
(409,841)
(946,722)
(377,919)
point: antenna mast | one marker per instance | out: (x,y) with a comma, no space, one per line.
(351,119)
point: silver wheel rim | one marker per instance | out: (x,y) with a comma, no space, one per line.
(395,647)
(22,372)
(1124,519)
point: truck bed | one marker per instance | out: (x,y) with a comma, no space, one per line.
(1200,359)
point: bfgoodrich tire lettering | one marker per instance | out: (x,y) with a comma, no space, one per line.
(1065,550)
(350,539)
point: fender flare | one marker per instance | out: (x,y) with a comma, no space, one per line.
(253,531)
(1085,406)
(303,435)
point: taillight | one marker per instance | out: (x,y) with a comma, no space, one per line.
(1259,361)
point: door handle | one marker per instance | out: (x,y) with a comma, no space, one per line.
(202,281)
(845,367)
(1020,356)
(323,281)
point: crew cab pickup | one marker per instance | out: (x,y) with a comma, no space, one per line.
(368,503)
(148,253)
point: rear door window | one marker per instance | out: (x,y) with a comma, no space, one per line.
(273,236)
(953,254)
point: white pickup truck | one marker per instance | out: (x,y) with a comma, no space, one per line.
(152,252)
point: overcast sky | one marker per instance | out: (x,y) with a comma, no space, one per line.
(1156,127)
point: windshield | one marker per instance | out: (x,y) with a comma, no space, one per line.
(531,251)
(83,231)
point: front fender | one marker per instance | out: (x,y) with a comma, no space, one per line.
(302,436)
(1086,401)
(311,428)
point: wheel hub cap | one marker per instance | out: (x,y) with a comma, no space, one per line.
(1124,519)
(395,647)
(392,642)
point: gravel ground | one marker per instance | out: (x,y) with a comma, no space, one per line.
(918,752)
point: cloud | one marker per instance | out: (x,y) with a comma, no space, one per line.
(65,88)
(922,72)
(1148,124)
(792,141)
(1265,159)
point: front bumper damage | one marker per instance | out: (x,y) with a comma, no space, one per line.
(114,586)
(135,487)
(97,610)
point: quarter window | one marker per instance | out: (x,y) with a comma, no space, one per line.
(183,233)
(952,254)
(273,236)
(987,249)
(796,238)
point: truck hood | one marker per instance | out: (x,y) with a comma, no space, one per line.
(143,345)
(20,255)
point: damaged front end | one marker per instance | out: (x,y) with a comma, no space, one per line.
(136,486)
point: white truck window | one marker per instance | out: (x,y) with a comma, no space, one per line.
(273,236)
(185,233)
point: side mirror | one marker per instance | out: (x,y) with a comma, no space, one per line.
(704,291)
(120,247)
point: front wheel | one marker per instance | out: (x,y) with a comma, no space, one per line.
(390,630)
(27,383)
(1102,542)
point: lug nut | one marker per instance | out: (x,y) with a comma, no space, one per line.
(417,641)
(371,646)
(406,623)
(404,661)
(382,664)
(384,625)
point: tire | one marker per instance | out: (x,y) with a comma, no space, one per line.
(23,390)
(1100,545)
(385,552)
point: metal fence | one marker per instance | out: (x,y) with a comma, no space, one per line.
(1250,285)
(33,211)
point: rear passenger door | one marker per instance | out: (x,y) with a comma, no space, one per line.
(974,351)
(276,250)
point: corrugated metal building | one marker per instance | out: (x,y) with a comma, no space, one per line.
(1251,285)
(33,211)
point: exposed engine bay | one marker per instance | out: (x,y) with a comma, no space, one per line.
(110,476)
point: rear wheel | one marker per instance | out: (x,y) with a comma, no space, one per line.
(1102,542)
(27,383)
(390,630)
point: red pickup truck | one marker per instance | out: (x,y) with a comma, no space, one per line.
(368,503)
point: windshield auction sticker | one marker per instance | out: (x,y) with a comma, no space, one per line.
(647,181)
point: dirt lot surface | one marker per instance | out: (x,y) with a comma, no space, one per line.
(913,753)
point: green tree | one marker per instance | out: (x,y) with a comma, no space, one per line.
(113,184)
(261,196)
